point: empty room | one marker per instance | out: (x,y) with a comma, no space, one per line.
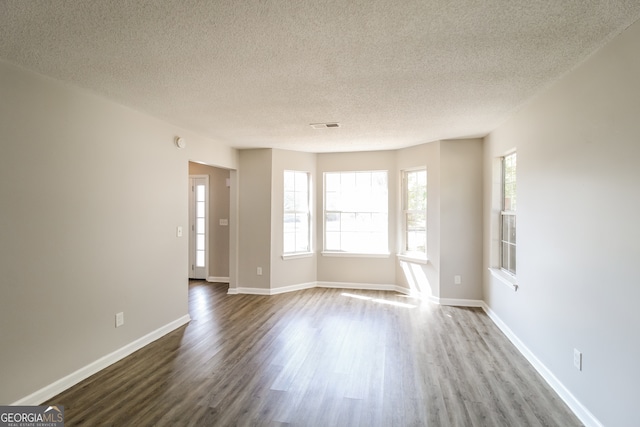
(354,213)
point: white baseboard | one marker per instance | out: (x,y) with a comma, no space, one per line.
(363,286)
(291,288)
(215,279)
(457,302)
(583,414)
(74,378)
(271,291)
(309,285)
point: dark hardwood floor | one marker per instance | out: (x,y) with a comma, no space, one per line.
(320,357)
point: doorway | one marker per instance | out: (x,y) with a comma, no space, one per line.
(218,227)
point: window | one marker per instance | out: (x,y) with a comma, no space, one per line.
(414,209)
(356,212)
(296,212)
(508,215)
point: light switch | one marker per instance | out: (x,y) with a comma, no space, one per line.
(179,231)
(224,222)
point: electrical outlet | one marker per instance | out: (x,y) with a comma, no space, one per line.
(259,271)
(577,359)
(457,279)
(119,319)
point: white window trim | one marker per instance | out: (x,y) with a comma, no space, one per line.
(356,254)
(296,255)
(413,258)
(504,277)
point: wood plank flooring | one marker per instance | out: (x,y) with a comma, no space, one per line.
(320,357)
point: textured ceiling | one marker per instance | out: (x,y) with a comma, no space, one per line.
(256,73)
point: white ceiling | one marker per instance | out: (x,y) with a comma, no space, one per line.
(256,73)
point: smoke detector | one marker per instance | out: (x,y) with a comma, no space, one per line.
(324,125)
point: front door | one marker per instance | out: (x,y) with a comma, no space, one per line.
(198,223)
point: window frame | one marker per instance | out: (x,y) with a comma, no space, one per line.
(507,212)
(296,253)
(405,252)
(325,212)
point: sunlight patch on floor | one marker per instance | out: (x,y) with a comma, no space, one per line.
(378,300)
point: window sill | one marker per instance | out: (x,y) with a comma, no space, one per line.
(355,255)
(505,278)
(413,258)
(297,255)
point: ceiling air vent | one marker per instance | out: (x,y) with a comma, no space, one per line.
(324,125)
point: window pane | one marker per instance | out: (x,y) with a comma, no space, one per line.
(356,205)
(348,221)
(289,181)
(301,179)
(509,182)
(200,259)
(200,209)
(200,225)
(289,223)
(289,201)
(332,222)
(350,241)
(332,241)
(379,180)
(296,212)
(509,257)
(505,255)
(416,221)
(512,259)
(348,181)
(332,201)
(302,236)
(200,193)
(289,242)
(414,201)
(331,181)
(416,241)
(200,242)
(302,201)
(509,228)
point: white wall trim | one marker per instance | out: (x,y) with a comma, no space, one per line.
(297,255)
(85,372)
(291,288)
(248,291)
(457,302)
(412,259)
(309,285)
(355,254)
(215,279)
(364,286)
(574,404)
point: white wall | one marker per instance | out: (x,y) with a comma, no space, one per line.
(91,193)
(578,150)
